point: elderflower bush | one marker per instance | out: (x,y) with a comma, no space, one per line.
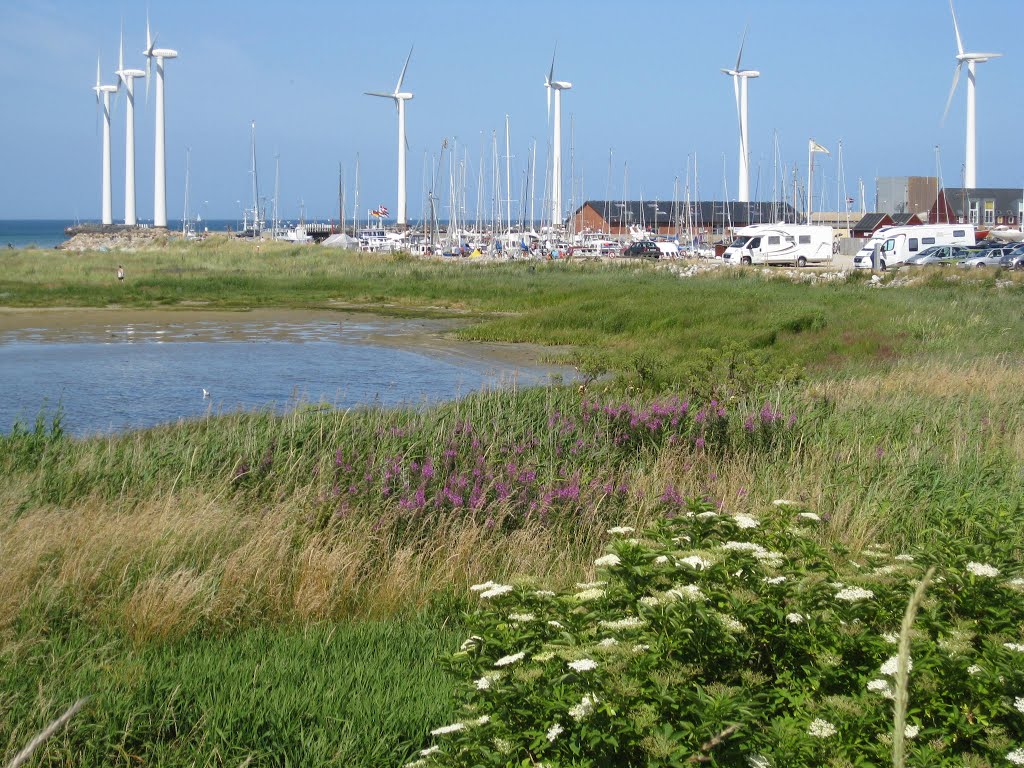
(710,620)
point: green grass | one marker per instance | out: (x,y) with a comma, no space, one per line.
(341,695)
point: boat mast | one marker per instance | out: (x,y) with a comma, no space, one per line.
(184,217)
(277,193)
(255,186)
(508,177)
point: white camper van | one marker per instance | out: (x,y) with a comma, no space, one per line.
(780,244)
(897,244)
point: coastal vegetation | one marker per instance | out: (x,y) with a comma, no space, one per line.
(268,590)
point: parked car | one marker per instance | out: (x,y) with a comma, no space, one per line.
(1014,259)
(937,254)
(988,257)
(647,249)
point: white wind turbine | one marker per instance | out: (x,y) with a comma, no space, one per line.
(739,86)
(103,97)
(399,98)
(160,166)
(970,164)
(556,145)
(128,76)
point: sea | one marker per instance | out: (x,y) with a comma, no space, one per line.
(49,233)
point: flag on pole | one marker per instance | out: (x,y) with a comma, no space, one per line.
(816,147)
(382,211)
(849,201)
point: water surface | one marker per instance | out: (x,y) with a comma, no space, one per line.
(115,376)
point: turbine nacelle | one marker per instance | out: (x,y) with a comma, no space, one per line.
(559,85)
(165,53)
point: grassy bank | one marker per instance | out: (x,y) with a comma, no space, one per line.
(272,589)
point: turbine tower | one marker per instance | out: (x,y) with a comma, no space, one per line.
(971,59)
(739,86)
(403,144)
(128,76)
(103,97)
(160,166)
(556,145)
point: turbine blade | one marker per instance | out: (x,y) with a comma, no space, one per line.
(401,77)
(956,29)
(120,51)
(743,41)
(376,93)
(956,79)
(551,72)
(548,87)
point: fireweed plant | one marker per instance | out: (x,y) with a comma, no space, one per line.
(737,640)
(506,479)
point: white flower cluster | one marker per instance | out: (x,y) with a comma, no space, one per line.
(471,641)
(892,637)
(1017,583)
(589,594)
(1018,647)
(518,617)
(497,591)
(774,579)
(785,503)
(695,561)
(448,729)
(973,669)
(607,561)
(661,559)
(582,665)
(730,623)
(821,729)
(809,516)
(794,618)
(504,661)
(853,594)
(743,546)
(544,593)
(620,530)
(585,708)
(484,683)
(745,521)
(911,731)
(649,600)
(983,570)
(891,664)
(555,624)
(707,515)
(904,558)
(685,592)
(1016,757)
(629,622)
(608,642)
(429,751)
(554,732)
(591,584)
(881,686)
(1018,703)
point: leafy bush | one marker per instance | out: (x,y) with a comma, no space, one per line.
(740,641)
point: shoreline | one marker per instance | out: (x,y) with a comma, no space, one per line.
(425,335)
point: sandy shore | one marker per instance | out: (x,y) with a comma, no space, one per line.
(426,335)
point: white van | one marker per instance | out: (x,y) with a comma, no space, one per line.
(797,244)
(669,249)
(897,244)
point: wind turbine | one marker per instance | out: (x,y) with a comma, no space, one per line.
(556,152)
(399,98)
(160,166)
(103,97)
(739,86)
(971,59)
(127,76)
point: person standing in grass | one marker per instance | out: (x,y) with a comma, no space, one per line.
(120,273)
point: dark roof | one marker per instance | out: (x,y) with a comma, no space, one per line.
(870,222)
(624,213)
(1006,199)
(900,219)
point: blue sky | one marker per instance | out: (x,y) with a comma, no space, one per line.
(646,85)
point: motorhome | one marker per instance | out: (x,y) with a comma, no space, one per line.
(897,244)
(796,244)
